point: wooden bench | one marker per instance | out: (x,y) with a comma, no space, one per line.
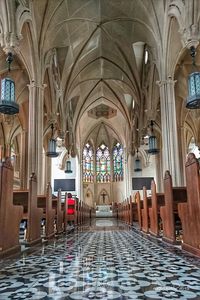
(133,211)
(64,207)
(189,212)
(140,206)
(145,211)
(10,215)
(45,202)
(31,213)
(59,213)
(157,201)
(169,212)
(78,212)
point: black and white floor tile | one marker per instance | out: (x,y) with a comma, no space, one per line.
(114,263)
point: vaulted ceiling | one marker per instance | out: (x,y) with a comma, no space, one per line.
(101,57)
(99,51)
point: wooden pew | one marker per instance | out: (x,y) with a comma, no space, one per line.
(133,211)
(64,209)
(31,213)
(130,211)
(45,202)
(157,201)
(190,212)
(127,209)
(145,211)
(139,209)
(168,213)
(10,215)
(79,219)
(59,213)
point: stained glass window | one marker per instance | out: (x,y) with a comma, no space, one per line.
(103,164)
(88,163)
(118,162)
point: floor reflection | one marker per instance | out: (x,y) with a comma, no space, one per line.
(106,222)
(101,262)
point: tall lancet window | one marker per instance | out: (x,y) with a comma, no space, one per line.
(118,162)
(88,163)
(103,164)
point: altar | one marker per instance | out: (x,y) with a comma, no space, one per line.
(103,211)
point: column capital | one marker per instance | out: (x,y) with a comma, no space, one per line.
(10,42)
(33,84)
(190,36)
(169,81)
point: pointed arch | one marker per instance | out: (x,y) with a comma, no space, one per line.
(118,165)
(103,164)
(88,163)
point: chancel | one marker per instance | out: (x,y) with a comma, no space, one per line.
(99,149)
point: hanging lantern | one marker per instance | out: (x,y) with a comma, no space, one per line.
(68,167)
(153,149)
(52,146)
(193,99)
(8,105)
(138,164)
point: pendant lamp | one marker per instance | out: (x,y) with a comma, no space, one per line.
(153,149)
(138,164)
(8,105)
(193,99)
(68,167)
(52,146)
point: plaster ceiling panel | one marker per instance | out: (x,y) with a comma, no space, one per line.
(79,38)
(174,47)
(84,9)
(88,58)
(61,56)
(92,71)
(121,29)
(39,8)
(92,44)
(123,57)
(112,9)
(111,71)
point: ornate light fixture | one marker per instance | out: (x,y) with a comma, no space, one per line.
(193,99)
(8,105)
(153,149)
(138,163)
(68,167)
(52,145)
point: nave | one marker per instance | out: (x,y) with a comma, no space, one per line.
(104,260)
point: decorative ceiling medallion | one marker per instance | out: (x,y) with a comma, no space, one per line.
(102,110)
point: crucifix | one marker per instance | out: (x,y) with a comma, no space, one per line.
(103,196)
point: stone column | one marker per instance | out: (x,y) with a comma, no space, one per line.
(40,129)
(170,152)
(23,160)
(35,132)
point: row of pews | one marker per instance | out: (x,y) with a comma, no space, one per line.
(173,215)
(45,216)
(127,211)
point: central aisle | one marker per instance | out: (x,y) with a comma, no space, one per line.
(103,261)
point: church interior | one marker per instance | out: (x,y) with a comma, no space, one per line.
(99,149)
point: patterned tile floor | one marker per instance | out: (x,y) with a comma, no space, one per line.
(102,261)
